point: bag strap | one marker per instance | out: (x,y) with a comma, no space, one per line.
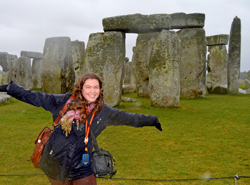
(94,141)
(65,107)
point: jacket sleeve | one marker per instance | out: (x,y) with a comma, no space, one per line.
(119,117)
(49,102)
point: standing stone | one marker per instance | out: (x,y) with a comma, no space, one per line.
(78,50)
(217,65)
(248,75)
(247,83)
(58,75)
(193,62)
(129,78)
(12,75)
(4,63)
(164,79)
(144,44)
(36,71)
(234,57)
(24,72)
(105,55)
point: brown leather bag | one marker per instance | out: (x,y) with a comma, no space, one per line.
(44,136)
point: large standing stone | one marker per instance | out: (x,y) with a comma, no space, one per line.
(105,55)
(137,23)
(24,72)
(78,50)
(217,65)
(129,78)
(234,57)
(57,67)
(164,79)
(4,63)
(193,62)
(182,20)
(12,74)
(36,73)
(144,44)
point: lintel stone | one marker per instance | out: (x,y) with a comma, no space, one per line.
(217,40)
(182,20)
(137,23)
(31,54)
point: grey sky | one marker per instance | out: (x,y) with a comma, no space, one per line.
(25,24)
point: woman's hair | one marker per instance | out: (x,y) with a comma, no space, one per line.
(82,102)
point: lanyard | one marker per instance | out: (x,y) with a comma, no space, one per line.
(87,130)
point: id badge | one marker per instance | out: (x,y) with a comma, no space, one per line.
(85,160)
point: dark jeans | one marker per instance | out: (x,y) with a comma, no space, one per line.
(90,180)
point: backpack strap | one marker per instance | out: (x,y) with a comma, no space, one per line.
(65,107)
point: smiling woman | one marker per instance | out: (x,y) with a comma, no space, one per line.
(62,157)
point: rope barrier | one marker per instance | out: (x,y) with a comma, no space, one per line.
(234,177)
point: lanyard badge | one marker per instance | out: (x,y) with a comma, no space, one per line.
(85,156)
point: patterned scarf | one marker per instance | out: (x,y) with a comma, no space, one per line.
(70,116)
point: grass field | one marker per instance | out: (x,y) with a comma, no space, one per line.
(205,137)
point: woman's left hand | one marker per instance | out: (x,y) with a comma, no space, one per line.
(158,126)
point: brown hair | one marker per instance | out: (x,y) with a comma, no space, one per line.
(82,102)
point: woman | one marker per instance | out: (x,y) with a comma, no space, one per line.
(62,156)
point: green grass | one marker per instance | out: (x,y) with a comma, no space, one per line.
(204,136)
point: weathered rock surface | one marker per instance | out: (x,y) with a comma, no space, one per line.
(12,73)
(217,40)
(36,71)
(182,20)
(234,57)
(4,61)
(248,75)
(164,79)
(129,88)
(220,89)
(57,67)
(217,65)
(137,23)
(78,50)
(31,54)
(247,83)
(248,91)
(105,55)
(24,72)
(144,44)
(4,97)
(193,62)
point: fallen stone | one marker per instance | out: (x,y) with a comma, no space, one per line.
(4,97)
(137,23)
(219,89)
(217,40)
(31,54)
(182,20)
(127,99)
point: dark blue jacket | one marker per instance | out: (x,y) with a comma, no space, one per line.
(62,155)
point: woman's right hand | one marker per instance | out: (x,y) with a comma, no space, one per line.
(3,88)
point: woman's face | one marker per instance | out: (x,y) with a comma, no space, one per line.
(91,90)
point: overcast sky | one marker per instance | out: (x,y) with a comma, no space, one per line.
(25,24)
